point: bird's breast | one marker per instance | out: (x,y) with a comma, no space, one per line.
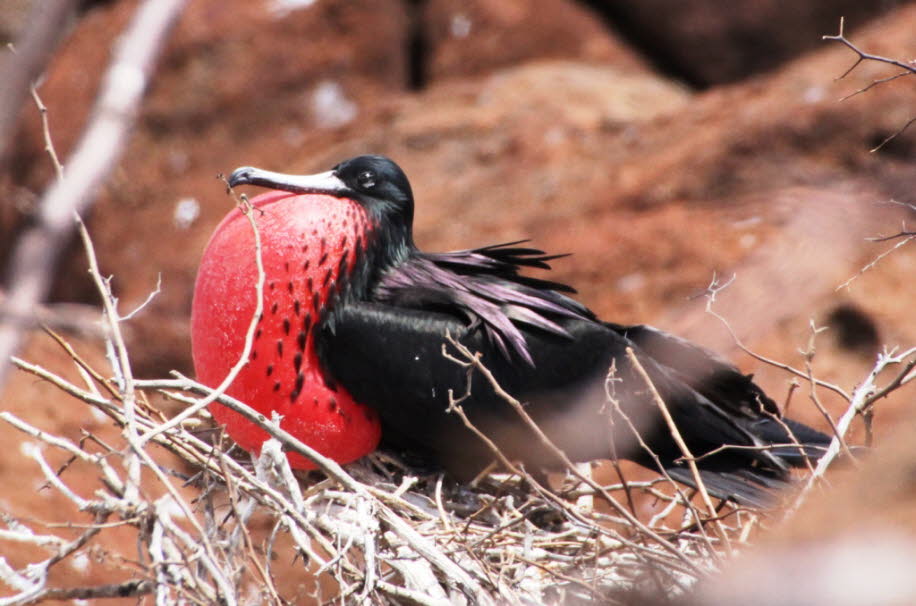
(309,247)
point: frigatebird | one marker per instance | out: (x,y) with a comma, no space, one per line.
(363,315)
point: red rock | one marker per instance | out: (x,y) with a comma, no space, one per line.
(461,38)
(710,42)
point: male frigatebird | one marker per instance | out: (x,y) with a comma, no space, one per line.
(350,345)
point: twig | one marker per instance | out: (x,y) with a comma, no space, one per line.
(681,444)
(808,356)
(864,396)
(681,499)
(46,130)
(557,452)
(908,68)
(123,363)
(247,210)
(906,237)
(770,362)
(127,589)
(863,56)
(152,295)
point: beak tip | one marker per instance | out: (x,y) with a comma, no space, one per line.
(241,176)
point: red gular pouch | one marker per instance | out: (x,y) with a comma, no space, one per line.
(309,245)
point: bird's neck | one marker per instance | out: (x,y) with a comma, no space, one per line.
(385,248)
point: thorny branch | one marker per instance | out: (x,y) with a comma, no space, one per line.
(860,401)
(907,68)
(903,237)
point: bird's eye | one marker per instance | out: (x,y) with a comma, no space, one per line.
(367,179)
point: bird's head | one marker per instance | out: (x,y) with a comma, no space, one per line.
(375,182)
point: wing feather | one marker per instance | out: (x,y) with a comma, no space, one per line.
(484,285)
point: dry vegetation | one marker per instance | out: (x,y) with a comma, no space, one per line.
(374,532)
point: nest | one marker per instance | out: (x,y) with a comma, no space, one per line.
(378,532)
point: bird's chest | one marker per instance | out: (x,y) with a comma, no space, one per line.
(308,257)
(308,251)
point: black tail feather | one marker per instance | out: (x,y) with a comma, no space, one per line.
(747,475)
(811,443)
(743,486)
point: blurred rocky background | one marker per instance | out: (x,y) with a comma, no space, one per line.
(663,143)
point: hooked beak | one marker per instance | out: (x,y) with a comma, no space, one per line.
(321,183)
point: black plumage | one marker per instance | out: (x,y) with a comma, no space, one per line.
(382,339)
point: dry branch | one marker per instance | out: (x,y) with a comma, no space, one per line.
(908,68)
(384,535)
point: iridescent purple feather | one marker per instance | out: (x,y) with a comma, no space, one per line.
(484,286)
